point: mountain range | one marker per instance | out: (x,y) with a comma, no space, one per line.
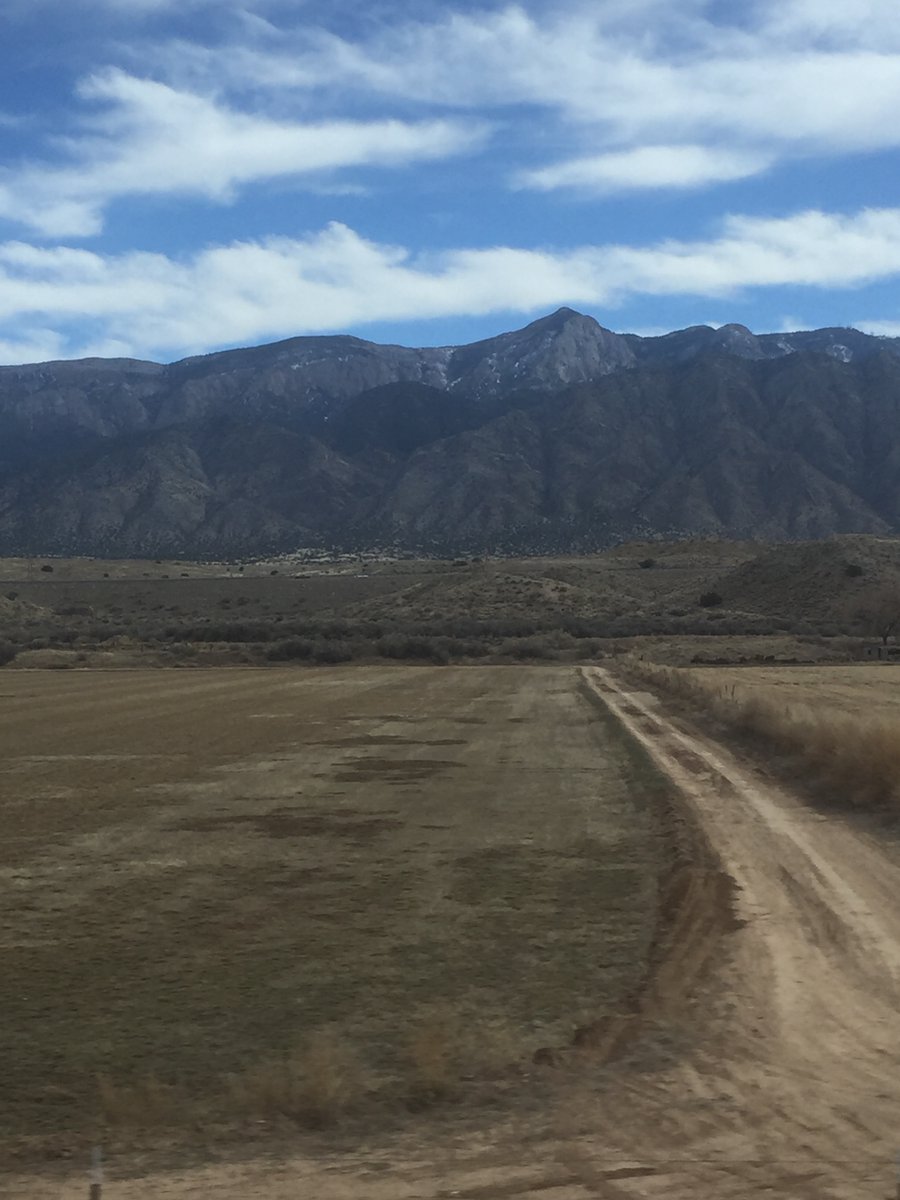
(561,436)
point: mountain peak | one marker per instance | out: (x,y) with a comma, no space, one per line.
(561,319)
(566,314)
(564,347)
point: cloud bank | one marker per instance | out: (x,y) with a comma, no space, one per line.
(578,98)
(150,305)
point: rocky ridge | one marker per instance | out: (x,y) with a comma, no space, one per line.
(561,435)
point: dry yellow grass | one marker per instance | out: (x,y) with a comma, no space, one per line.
(836,729)
(315,1085)
(853,689)
(434,1052)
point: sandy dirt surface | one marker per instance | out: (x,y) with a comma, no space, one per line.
(789,1089)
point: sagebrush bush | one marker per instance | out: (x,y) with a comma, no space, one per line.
(290,650)
(709,599)
(314,1086)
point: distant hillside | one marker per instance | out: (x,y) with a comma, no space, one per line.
(814,580)
(560,436)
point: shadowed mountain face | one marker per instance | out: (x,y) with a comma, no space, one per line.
(559,436)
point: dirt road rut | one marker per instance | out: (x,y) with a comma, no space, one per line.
(796,1090)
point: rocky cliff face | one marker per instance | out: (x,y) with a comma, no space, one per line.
(560,435)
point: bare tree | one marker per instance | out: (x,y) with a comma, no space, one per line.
(878,609)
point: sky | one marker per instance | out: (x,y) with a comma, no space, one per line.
(182,176)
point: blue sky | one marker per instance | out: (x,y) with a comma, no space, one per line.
(179,176)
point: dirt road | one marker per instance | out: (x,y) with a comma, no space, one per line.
(791,1088)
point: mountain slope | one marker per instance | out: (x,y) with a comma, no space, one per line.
(562,435)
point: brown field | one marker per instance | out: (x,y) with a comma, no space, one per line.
(765,1041)
(251,895)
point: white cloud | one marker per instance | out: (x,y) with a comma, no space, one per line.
(642,93)
(125,8)
(150,138)
(834,23)
(811,249)
(647,167)
(38,345)
(879,328)
(151,306)
(801,77)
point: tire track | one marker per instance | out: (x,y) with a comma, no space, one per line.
(803,1057)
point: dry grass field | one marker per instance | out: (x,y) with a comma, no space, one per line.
(267,894)
(870,690)
(832,730)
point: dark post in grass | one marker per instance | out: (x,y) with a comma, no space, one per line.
(96,1173)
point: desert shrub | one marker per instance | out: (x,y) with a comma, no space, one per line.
(314,1086)
(459,648)
(334,629)
(402,646)
(623,627)
(332,652)
(8,653)
(47,569)
(647,564)
(433,1052)
(506,627)
(290,650)
(584,627)
(229,631)
(853,570)
(100,633)
(75,610)
(709,599)
(527,648)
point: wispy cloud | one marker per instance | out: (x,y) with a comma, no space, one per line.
(643,94)
(646,167)
(152,305)
(879,328)
(808,77)
(150,138)
(37,345)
